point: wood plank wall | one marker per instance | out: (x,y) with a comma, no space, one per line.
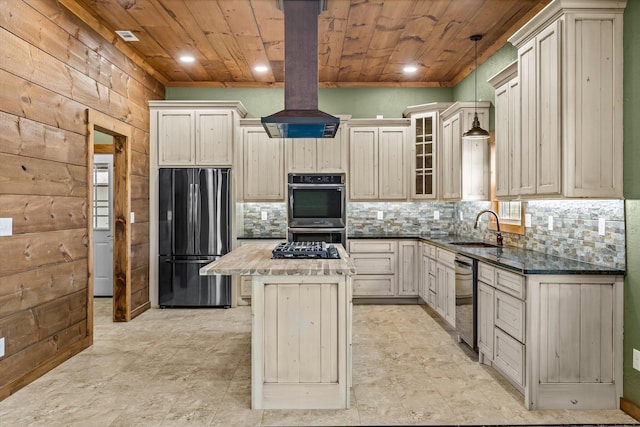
(52,69)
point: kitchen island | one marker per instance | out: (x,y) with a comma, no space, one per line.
(301,327)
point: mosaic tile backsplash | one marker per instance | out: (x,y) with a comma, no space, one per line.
(574,235)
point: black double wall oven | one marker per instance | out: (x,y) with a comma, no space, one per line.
(316,208)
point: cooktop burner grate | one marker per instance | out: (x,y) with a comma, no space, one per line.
(304,250)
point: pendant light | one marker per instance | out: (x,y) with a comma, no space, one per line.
(476,132)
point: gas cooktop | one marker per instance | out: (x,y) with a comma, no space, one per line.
(304,250)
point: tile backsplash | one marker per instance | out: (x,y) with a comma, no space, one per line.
(407,217)
(574,235)
(251,224)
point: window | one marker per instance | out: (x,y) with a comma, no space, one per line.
(101,208)
(511,216)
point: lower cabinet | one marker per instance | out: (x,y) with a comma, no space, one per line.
(386,268)
(439,281)
(501,321)
(557,338)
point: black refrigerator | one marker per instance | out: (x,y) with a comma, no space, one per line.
(194,230)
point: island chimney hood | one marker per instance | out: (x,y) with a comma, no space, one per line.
(301,117)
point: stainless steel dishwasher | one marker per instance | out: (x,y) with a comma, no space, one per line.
(466,294)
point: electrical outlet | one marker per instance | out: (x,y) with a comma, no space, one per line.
(436,214)
(1,347)
(6,226)
(380,215)
(601,224)
(132,217)
(550,222)
(461,216)
(527,220)
(636,359)
(263,215)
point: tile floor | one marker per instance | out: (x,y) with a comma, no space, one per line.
(192,367)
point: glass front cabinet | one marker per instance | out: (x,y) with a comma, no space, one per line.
(425,126)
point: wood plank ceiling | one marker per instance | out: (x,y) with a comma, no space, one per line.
(361,42)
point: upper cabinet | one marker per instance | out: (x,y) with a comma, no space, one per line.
(263,165)
(464,163)
(318,154)
(423,148)
(570,110)
(378,159)
(507,102)
(195,133)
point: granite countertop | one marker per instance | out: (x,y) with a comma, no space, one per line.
(255,259)
(523,261)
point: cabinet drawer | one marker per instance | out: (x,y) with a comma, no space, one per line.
(430,251)
(511,283)
(509,315)
(431,299)
(372,285)
(364,246)
(509,356)
(374,263)
(486,273)
(446,257)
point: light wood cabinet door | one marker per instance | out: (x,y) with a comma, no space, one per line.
(524,155)
(263,166)
(392,163)
(577,322)
(507,135)
(424,278)
(176,133)
(537,159)
(408,268)
(446,293)
(363,163)
(503,140)
(548,109)
(485,320)
(593,123)
(450,166)
(425,137)
(214,138)
(302,154)
(332,153)
(317,154)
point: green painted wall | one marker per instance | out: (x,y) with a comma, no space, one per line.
(631,381)
(464,91)
(359,102)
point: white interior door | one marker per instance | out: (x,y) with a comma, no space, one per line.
(103,225)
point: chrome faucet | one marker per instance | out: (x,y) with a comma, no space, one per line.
(499,235)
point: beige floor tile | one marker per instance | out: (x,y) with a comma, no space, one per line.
(193,367)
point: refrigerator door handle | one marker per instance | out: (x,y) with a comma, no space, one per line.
(197,217)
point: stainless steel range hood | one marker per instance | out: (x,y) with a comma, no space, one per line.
(301,117)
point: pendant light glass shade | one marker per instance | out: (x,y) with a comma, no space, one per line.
(476,132)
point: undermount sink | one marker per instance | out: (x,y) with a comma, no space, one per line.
(475,244)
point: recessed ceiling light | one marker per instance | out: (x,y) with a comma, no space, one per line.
(127,36)
(187,58)
(261,68)
(410,69)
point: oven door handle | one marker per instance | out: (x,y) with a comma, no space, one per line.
(318,186)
